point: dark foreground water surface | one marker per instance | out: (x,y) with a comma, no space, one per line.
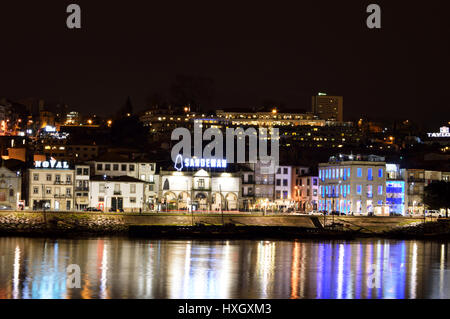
(136,268)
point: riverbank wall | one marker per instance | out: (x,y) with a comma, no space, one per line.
(60,223)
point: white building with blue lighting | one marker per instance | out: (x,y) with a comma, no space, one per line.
(353,184)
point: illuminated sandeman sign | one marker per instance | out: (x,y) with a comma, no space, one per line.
(181,162)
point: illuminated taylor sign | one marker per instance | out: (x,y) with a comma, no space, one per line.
(444,132)
(181,162)
(51,164)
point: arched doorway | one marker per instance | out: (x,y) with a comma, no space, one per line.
(170,201)
(217,202)
(183,200)
(202,201)
(231,201)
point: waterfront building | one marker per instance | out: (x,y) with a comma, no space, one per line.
(264,186)
(247,198)
(112,164)
(353,184)
(396,195)
(199,189)
(305,189)
(82,176)
(416,181)
(10,187)
(283,188)
(49,185)
(116,193)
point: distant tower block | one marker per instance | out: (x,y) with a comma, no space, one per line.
(328,107)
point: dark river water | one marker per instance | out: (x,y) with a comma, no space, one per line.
(135,268)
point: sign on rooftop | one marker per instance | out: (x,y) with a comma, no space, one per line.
(51,164)
(444,132)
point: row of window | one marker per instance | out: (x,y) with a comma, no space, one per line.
(123,167)
(299,182)
(49,177)
(48,191)
(285,170)
(115,167)
(335,190)
(346,205)
(301,192)
(345,173)
(83,171)
(278,195)
(285,182)
(101,199)
(103,187)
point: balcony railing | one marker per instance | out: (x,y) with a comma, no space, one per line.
(63,182)
(117,193)
(62,196)
(82,189)
(264,183)
(202,188)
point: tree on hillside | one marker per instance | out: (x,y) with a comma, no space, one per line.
(126,110)
(196,91)
(129,131)
(437,196)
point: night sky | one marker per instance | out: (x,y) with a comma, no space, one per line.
(284,51)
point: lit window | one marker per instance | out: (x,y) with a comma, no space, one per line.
(369,191)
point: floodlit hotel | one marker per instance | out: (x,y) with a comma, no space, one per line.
(353,184)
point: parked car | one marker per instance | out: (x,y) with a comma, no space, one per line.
(92,209)
(336,213)
(433,213)
(316,212)
(5,207)
(395,214)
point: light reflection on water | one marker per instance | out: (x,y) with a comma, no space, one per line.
(130,268)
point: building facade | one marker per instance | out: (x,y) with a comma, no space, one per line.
(199,190)
(353,185)
(328,107)
(50,186)
(116,193)
(115,165)
(82,176)
(264,186)
(283,188)
(307,193)
(10,188)
(396,196)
